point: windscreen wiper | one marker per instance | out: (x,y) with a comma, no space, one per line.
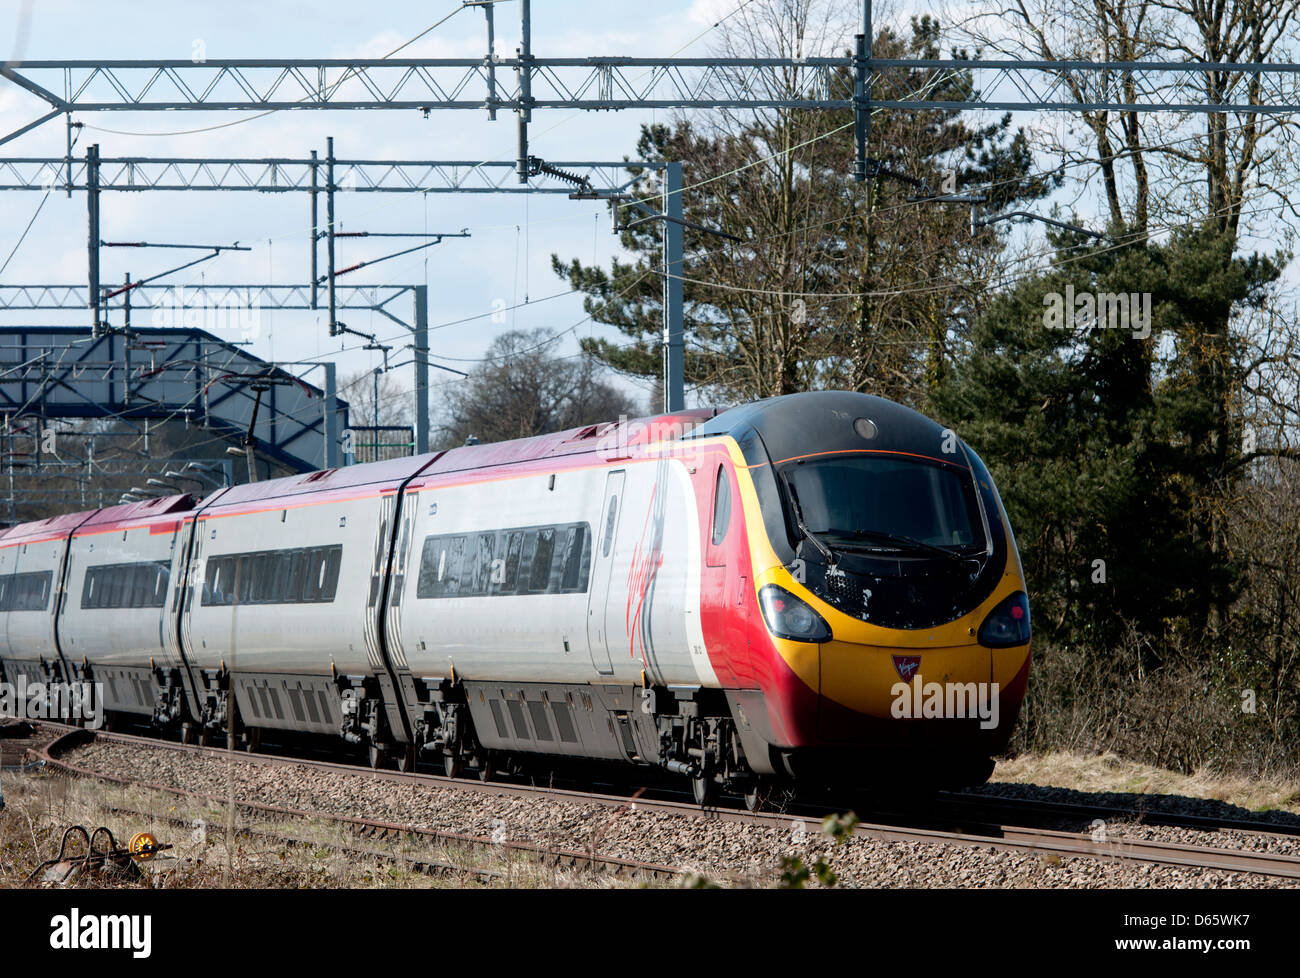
(904,542)
(808,534)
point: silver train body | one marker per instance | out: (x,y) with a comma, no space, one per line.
(171,604)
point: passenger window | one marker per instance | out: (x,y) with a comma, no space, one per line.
(248,564)
(454,573)
(482,582)
(294,575)
(27,592)
(541,570)
(510,583)
(268,574)
(574,548)
(330,582)
(315,575)
(527,560)
(721,506)
(269,587)
(223,586)
(136,582)
(109,591)
(430,562)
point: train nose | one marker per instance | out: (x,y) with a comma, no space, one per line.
(939,695)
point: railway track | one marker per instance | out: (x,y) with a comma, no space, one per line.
(983,821)
(280,837)
(17,738)
(363,829)
(1085,813)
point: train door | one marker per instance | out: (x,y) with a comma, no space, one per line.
(187,541)
(167,633)
(724,582)
(38,570)
(602,560)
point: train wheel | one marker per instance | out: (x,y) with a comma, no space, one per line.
(378,754)
(485,768)
(253,739)
(406,760)
(188,735)
(452,764)
(758,796)
(205,736)
(702,787)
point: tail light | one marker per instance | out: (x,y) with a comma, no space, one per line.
(1007,624)
(789,617)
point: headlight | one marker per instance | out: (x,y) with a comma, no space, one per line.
(789,617)
(1007,624)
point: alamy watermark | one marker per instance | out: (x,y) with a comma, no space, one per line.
(68,702)
(75,931)
(1099,310)
(231,316)
(951,701)
(654,438)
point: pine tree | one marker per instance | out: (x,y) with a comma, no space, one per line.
(784,308)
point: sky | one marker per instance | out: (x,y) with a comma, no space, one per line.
(507,259)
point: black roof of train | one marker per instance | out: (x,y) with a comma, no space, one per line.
(810,423)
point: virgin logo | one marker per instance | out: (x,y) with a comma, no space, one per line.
(906,666)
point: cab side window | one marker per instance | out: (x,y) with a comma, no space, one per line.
(721,506)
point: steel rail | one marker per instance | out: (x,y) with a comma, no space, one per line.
(976,833)
(1138,813)
(546,855)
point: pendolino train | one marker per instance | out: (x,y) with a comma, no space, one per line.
(746,599)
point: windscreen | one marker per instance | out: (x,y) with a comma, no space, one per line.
(849,496)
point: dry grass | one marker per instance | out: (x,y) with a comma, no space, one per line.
(1188,716)
(1108,772)
(261,854)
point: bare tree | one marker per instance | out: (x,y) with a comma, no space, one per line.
(377,397)
(822,281)
(1206,178)
(524,388)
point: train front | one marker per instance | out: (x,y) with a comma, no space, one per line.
(895,632)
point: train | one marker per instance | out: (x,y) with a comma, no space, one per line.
(782,593)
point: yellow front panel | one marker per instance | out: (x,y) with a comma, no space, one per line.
(861,677)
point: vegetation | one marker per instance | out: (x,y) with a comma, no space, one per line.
(1150,466)
(523,388)
(291,853)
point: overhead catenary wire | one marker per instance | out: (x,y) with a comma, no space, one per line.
(181,409)
(920,286)
(847,215)
(39,207)
(22,237)
(549,341)
(719,176)
(262,115)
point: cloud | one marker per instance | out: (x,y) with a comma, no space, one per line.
(706,13)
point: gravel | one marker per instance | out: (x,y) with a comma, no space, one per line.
(720,851)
